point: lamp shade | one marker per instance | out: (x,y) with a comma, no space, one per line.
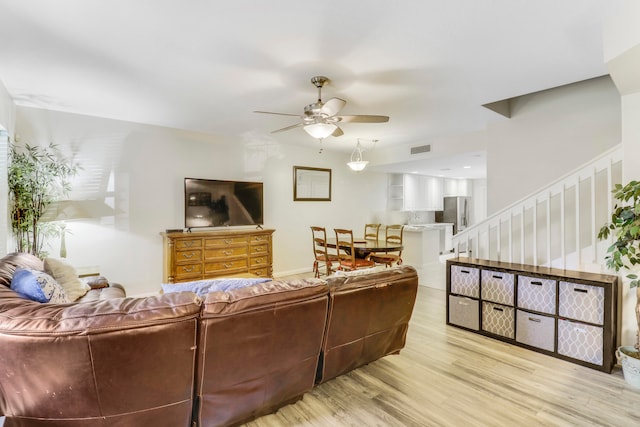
(358,166)
(320,130)
(357,162)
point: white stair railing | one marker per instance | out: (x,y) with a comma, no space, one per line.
(555,226)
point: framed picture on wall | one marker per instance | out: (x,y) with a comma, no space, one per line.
(311,184)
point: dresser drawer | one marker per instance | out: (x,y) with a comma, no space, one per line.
(257,261)
(498,319)
(188,271)
(261,272)
(535,330)
(464,312)
(188,243)
(226,242)
(259,249)
(537,294)
(497,287)
(225,253)
(580,341)
(224,267)
(189,256)
(259,239)
(465,281)
(581,302)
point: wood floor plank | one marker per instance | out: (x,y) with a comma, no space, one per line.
(446,376)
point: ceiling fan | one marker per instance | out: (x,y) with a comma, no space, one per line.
(321,119)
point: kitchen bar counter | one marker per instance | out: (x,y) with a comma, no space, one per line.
(423,244)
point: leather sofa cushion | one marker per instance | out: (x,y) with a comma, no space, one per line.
(240,300)
(24,317)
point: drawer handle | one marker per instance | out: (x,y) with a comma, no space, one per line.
(187,269)
(533,319)
(498,309)
(259,239)
(582,331)
(188,243)
(536,283)
(228,241)
(465,271)
(584,291)
(497,277)
(189,255)
(228,252)
(463,303)
(228,265)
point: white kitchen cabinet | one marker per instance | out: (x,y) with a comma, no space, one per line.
(422,193)
(433,193)
(454,187)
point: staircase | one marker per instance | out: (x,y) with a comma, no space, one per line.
(554,227)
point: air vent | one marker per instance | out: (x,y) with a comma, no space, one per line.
(421,149)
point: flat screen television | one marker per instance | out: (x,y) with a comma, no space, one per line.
(217,203)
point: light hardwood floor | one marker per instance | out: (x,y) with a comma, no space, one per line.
(448,377)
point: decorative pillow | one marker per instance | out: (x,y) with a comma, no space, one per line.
(95,282)
(10,262)
(67,276)
(203,287)
(359,272)
(38,286)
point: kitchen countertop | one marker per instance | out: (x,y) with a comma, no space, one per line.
(430,226)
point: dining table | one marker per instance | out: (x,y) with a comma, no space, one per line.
(364,247)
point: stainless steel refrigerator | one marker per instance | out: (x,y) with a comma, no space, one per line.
(456,211)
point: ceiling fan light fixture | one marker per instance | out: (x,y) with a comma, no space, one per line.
(357,162)
(320,130)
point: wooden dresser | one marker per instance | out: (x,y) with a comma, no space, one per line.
(208,254)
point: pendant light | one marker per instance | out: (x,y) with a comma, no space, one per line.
(357,162)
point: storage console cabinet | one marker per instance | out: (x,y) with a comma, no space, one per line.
(201,255)
(566,314)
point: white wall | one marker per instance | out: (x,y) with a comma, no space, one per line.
(7,119)
(622,54)
(140,169)
(549,134)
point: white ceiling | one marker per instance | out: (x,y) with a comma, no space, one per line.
(206,65)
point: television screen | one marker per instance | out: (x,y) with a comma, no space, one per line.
(217,203)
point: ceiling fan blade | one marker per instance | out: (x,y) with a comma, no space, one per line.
(278,114)
(337,132)
(333,106)
(363,119)
(287,128)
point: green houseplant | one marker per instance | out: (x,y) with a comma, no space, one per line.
(624,254)
(37,176)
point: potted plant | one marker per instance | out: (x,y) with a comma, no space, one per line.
(37,176)
(624,254)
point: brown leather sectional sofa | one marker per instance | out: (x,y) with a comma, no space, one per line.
(180,360)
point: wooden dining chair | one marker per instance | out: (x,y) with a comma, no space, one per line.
(321,252)
(347,252)
(393,235)
(371,231)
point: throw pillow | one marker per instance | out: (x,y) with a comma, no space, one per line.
(360,272)
(203,287)
(10,262)
(67,276)
(38,286)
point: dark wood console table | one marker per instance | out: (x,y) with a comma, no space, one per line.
(566,314)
